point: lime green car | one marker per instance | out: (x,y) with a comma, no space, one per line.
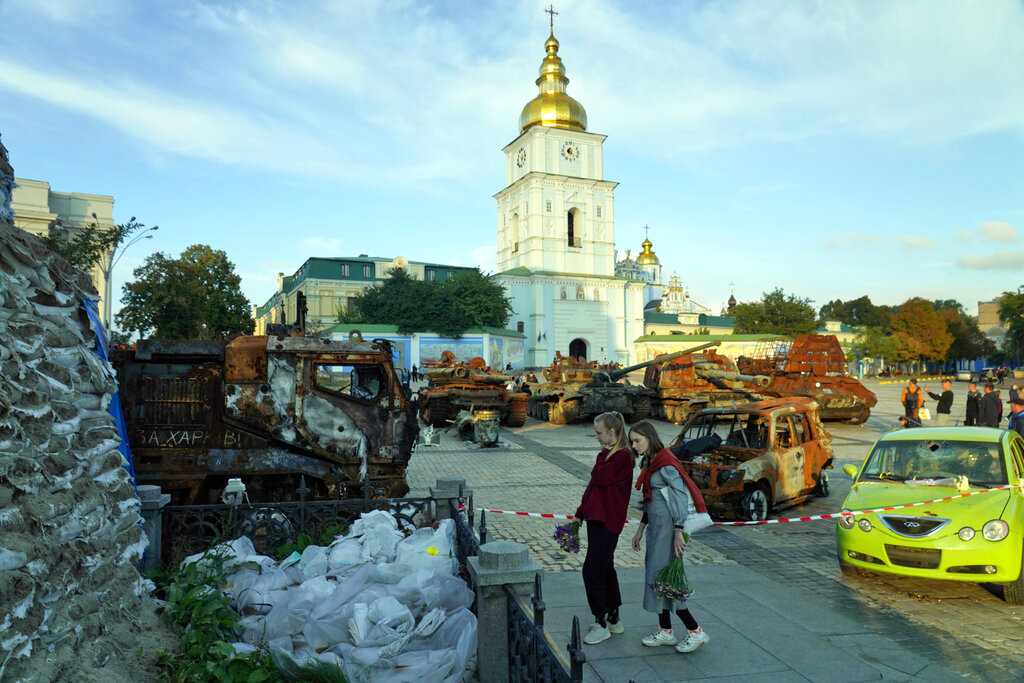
(977,538)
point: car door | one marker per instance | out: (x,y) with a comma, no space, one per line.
(790,460)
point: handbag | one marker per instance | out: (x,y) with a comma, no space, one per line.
(924,414)
(695,521)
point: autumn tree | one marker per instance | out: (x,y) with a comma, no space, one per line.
(859,312)
(776,313)
(1011,314)
(195,296)
(968,341)
(920,331)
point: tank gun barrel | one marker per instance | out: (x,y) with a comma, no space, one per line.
(710,370)
(663,358)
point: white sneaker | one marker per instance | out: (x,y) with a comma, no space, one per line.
(616,628)
(661,637)
(693,640)
(596,634)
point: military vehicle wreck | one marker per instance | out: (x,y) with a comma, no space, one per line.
(811,365)
(268,410)
(468,387)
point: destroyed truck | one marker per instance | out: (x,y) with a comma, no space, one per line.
(268,410)
(754,457)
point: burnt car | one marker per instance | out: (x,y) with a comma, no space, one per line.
(772,454)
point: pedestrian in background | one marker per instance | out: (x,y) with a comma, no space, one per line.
(603,508)
(945,403)
(672,504)
(989,408)
(1017,415)
(912,400)
(973,399)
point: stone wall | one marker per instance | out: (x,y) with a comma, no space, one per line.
(71,598)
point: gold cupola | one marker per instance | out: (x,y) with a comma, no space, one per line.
(647,257)
(552,107)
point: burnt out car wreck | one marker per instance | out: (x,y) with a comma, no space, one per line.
(753,458)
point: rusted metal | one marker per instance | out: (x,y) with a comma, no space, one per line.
(268,410)
(775,451)
(812,365)
(574,389)
(471,387)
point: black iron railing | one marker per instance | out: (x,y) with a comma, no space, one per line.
(532,654)
(189,529)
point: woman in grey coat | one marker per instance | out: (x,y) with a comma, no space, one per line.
(672,506)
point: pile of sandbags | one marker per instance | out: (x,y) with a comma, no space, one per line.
(69,522)
(380,606)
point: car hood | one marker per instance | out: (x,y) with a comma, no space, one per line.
(871,495)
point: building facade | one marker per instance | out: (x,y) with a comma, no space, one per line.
(41,211)
(556,233)
(330,285)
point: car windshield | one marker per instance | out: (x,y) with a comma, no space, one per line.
(981,463)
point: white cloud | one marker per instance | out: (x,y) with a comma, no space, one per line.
(324,247)
(1002,260)
(998,231)
(850,239)
(916,242)
(963,236)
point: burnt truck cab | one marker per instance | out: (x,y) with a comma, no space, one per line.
(268,410)
(773,453)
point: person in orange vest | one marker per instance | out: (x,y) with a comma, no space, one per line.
(912,400)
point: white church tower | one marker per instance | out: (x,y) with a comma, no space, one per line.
(556,233)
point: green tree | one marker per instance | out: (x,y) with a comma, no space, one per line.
(1011,314)
(968,340)
(776,313)
(873,342)
(195,296)
(857,312)
(85,247)
(920,331)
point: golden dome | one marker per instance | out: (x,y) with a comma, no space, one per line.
(647,257)
(552,107)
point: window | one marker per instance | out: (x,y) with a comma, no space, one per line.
(365,382)
(547,205)
(430,274)
(344,270)
(367,270)
(598,210)
(571,228)
(450,274)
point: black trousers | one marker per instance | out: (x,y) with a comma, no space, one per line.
(599,577)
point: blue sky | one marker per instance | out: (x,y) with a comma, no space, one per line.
(832,148)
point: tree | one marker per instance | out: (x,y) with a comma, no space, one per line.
(195,296)
(468,299)
(857,312)
(1011,314)
(873,342)
(84,247)
(920,331)
(968,340)
(776,313)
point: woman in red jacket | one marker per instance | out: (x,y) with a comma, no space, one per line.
(604,510)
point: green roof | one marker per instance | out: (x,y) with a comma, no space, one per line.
(717,320)
(707,337)
(393,329)
(523,270)
(665,318)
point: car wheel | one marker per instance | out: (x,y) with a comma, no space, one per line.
(1013,592)
(755,505)
(822,488)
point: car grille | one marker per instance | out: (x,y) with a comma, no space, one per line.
(921,558)
(912,527)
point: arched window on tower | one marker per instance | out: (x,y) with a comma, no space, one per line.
(573,228)
(514,233)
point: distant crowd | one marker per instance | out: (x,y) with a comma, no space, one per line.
(982,409)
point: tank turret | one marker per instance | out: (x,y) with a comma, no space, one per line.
(468,386)
(712,371)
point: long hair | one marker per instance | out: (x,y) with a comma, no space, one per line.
(646,430)
(615,422)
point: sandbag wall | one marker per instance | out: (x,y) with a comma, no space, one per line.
(69,532)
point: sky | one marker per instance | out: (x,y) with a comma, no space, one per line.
(833,148)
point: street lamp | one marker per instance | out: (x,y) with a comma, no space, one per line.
(107,267)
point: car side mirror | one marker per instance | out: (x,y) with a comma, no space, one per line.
(851,470)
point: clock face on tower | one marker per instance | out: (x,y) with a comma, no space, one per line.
(570,151)
(521,158)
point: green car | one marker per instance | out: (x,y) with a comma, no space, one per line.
(977,538)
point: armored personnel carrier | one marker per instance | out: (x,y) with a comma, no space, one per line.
(575,389)
(699,380)
(811,365)
(469,386)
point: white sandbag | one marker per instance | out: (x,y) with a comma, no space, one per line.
(379,542)
(375,519)
(359,625)
(234,553)
(345,593)
(320,587)
(348,551)
(426,549)
(420,667)
(363,662)
(321,633)
(289,615)
(387,610)
(313,561)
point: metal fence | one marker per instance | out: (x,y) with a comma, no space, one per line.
(189,529)
(532,654)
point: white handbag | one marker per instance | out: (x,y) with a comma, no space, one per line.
(924,414)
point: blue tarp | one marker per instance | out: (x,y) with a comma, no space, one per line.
(115,400)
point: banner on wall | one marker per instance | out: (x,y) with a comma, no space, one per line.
(495,360)
(514,350)
(431,348)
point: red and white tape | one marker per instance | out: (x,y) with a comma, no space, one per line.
(809,518)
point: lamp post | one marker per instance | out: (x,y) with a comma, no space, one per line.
(114,256)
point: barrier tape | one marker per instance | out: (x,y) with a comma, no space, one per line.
(809,518)
(919,381)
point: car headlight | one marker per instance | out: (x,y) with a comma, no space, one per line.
(864,523)
(995,530)
(847,521)
(966,534)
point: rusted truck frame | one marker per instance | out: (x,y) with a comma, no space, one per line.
(268,410)
(774,453)
(468,387)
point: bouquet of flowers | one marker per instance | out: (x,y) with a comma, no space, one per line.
(671,581)
(568,537)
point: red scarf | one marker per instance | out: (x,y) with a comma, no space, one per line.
(665,458)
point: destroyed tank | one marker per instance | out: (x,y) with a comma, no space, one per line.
(699,379)
(811,365)
(268,410)
(575,389)
(468,386)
